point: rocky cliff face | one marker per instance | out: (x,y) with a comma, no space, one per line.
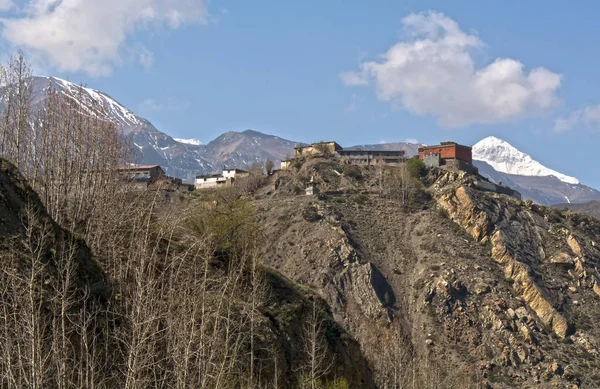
(466,289)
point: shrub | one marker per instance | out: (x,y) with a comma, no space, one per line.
(415,167)
(269,166)
(442,212)
(338,383)
(353,172)
(360,198)
(311,214)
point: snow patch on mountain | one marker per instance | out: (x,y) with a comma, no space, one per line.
(191,141)
(96,101)
(505,158)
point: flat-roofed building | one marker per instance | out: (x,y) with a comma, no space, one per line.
(448,151)
(235,173)
(448,154)
(369,157)
(210,181)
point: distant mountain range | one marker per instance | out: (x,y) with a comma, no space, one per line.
(592,208)
(185,158)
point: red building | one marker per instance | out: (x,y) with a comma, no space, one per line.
(447,151)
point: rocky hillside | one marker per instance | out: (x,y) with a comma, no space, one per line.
(73,319)
(591,208)
(461,288)
(242,149)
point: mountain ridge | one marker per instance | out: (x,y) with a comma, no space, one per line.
(505,158)
(186,158)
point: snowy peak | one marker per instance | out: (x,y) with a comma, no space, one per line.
(94,101)
(505,158)
(192,141)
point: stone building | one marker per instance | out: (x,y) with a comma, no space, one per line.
(143,173)
(446,151)
(449,154)
(316,149)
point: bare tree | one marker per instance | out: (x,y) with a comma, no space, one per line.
(318,362)
(269,166)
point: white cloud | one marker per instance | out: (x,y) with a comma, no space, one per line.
(5,5)
(92,35)
(145,57)
(588,117)
(433,72)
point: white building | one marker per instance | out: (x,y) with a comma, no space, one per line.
(217,180)
(211,181)
(233,173)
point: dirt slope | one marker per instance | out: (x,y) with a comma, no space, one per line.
(467,289)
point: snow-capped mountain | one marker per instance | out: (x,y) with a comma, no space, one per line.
(183,158)
(499,161)
(192,141)
(153,146)
(505,158)
(94,101)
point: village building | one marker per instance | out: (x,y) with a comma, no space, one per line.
(235,173)
(143,173)
(449,154)
(210,181)
(316,149)
(227,178)
(286,163)
(369,157)
(347,156)
(446,151)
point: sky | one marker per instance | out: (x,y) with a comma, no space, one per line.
(352,71)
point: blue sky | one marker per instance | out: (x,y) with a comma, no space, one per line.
(526,72)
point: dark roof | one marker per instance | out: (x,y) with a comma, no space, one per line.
(443,144)
(139,167)
(236,170)
(361,151)
(210,176)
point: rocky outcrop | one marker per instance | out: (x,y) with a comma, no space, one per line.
(475,287)
(513,245)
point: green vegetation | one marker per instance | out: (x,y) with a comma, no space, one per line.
(360,198)
(353,171)
(226,219)
(311,213)
(415,167)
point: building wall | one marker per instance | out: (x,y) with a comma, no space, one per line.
(229,173)
(329,148)
(232,173)
(286,164)
(210,182)
(369,157)
(462,153)
(432,160)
